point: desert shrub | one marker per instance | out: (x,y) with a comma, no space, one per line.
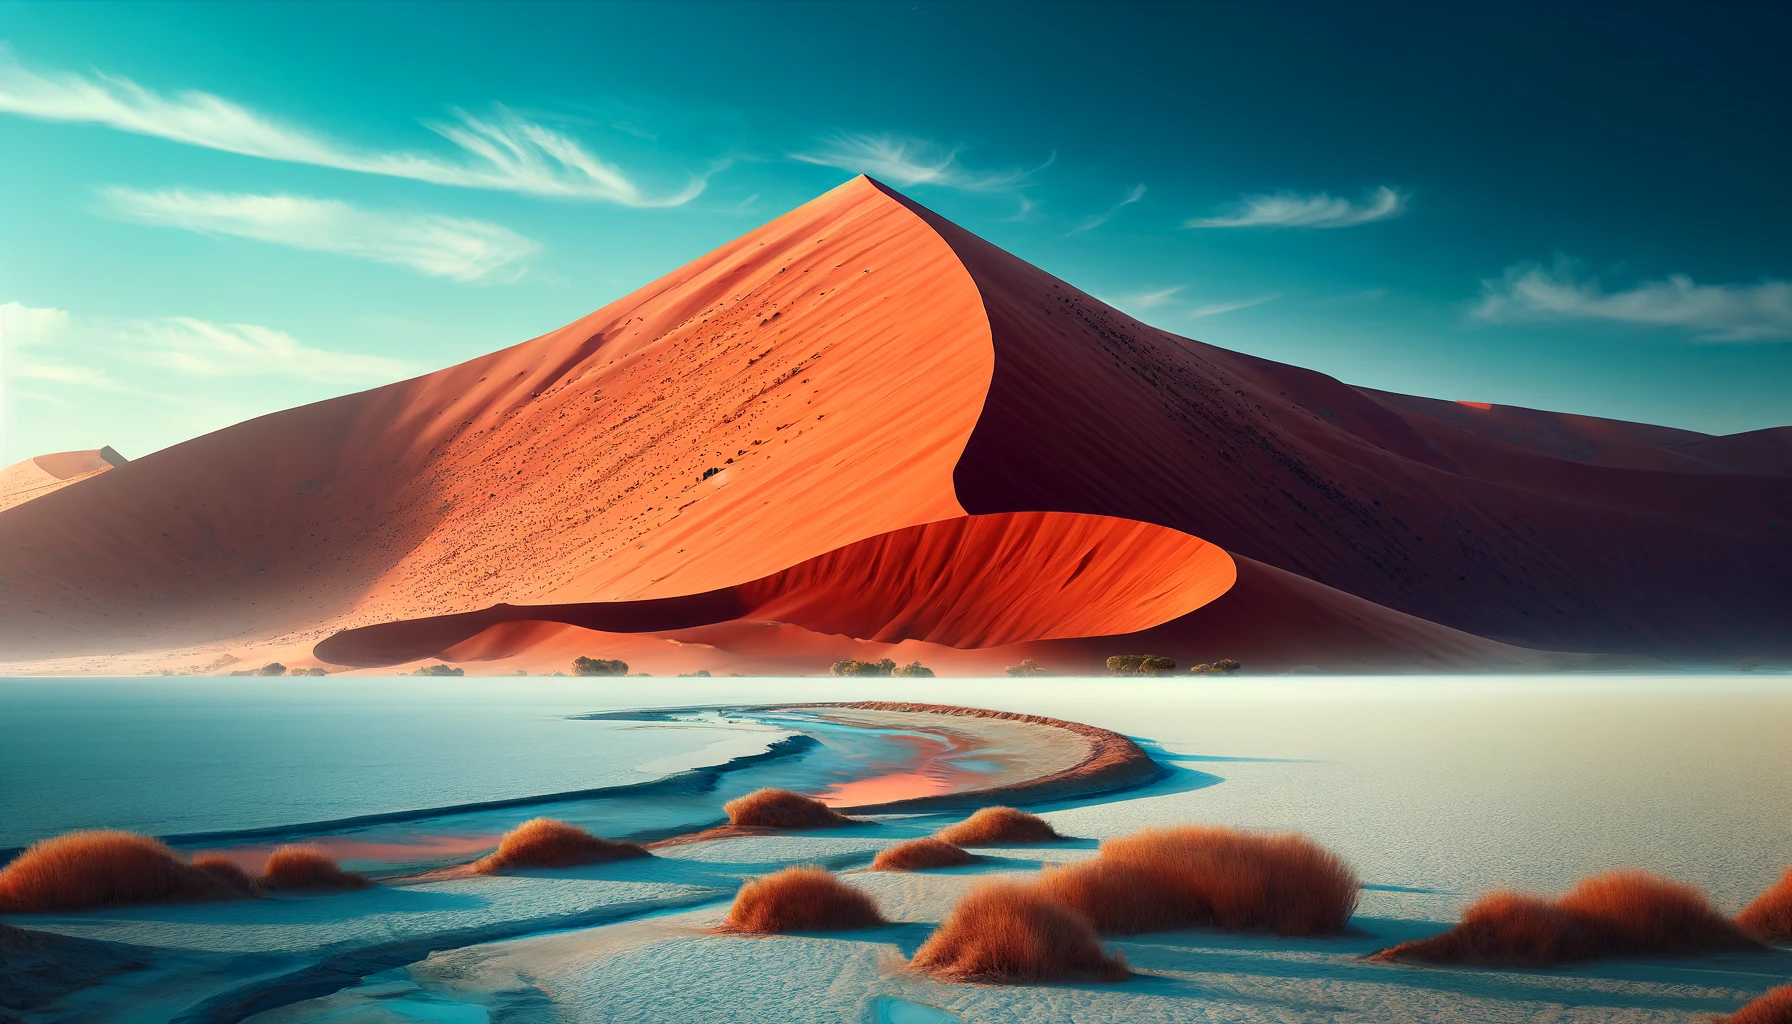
(272,668)
(1224,666)
(1140,665)
(711,471)
(100,869)
(307,868)
(701,673)
(310,672)
(439,670)
(546,843)
(229,872)
(800,899)
(1027,667)
(1770,915)
(1154,879)
(919,855)
(780,808)
(1622,913)
(1012,933)
(998,826)
(849,667)
(913,670)
(599,667)
(1771,1007)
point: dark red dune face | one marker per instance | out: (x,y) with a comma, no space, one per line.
(998,826)
(800,900)
(1773,1007)
(919,855)
(1770,915)
(780,808)
(1011,933)
(1623,913)
(81,870)
(1198,876)
(307,868)
(546,843)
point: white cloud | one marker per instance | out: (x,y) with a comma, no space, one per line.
(1216,308)
(907,162)
(1171,305)
(502,151)
(1293,210)
(466,250)
(1152,300)
(1137,193)
(1715,312)
(56,346)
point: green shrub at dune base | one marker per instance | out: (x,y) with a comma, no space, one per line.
(1140,665)
(599,667)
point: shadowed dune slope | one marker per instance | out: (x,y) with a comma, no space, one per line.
(970,582)
(1582,534)
(828,365)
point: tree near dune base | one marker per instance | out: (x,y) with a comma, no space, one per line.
(914,670)
(1027,667)
(439,670)
(599,667)
(1140,665)
(850,667)
(1224,666)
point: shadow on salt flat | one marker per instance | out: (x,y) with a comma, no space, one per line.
(890,1010)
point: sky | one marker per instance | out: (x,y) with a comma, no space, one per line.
(209,212)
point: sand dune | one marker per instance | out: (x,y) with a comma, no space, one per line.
(717,457)
(34,478)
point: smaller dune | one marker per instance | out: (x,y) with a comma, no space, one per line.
(919,855)
(1622,913)
(1770,915)
(780,808)
(229,872)
(307,869)
(998,826)
(546,843)
(104,869)
(800,899)
(1011,933)
(1772,1007)
(1200,876)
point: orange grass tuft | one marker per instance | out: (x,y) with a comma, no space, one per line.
(99,869)
(998,826)
(920,854)
(780,808)
(298,868)
(229,872)
(546,843)
(1198,876)
(1770,915)
(800,900)
(1013,933)
(1771,1007)
(1621,913)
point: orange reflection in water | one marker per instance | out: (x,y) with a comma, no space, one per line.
(423,849)
(885,788)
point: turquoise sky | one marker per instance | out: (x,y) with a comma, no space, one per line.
(214,211)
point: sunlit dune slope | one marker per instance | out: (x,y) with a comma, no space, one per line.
(34,478)
(1550,531)
(827,366)
(970,582)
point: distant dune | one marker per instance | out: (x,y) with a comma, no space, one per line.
(860,431)
(34,478)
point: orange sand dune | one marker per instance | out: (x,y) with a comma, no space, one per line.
(729,457)
(34,478)
(974,581)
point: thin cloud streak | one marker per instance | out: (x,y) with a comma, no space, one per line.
(1137,193)
(503,152)
(1720,312)
(1166,299)
(452,247)
(1293,210)
(908,162)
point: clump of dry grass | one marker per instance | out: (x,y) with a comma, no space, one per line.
(1621,913)
(919,855)
(1771,1007)
(780,808)
(1012,933)
(1200,876)
(1770,915)
(998,826)
(800,899)
(106,868)
(229,872)
(307,868)
(546,843)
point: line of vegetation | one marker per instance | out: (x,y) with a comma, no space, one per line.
(599,667)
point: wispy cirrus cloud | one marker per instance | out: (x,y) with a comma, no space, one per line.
(1712,312)
(1091,223)
(1170,302)
(54,345)
(907,162)
(500,151)
(453,247)
(1294,210)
